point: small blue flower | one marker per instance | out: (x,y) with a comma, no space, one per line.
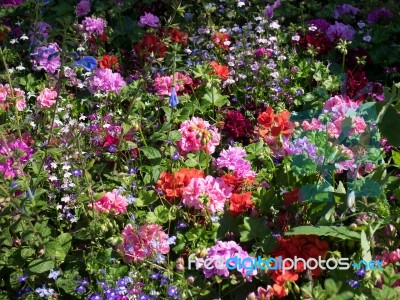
(172,291)
(54,274)
(361,273)
(89,63)
(76,172)
(80,289)
(112,149)
(175,156)
(353,283)
(23,278)
(173,100)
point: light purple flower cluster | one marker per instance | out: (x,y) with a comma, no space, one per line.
(321,24)
(94,25)
(149,20)
(379,14)
(345,9)
(47,58)
(269,10)
(340,31)
(233,160)
(303,146)
(82,8)
(104,80)
(225,251)
(40,32)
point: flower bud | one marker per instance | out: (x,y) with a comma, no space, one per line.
(180,267)
(190,279)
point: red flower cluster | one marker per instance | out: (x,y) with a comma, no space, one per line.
(221,39)
(173,185)
(275,124)
(235,182)
(108,62)
(150,44)
(317,40)
(236,125)
(240,203)
(291,197)
(301,246)
(220,70)
(356,85)
(178,36)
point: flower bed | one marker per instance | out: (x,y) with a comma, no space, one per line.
(199,150)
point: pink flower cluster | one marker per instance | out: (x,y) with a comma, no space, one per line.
(225,251)
(233,160)
(111,203)
(149,20)
(104,80)
(198,134)
(338,107)
(6,97)
(209,192)
(47,58)
(146,242)
(16,153)
(94,25)
(164,84)
(47,98)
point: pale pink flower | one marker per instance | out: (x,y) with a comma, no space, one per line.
(47,98)
(111,203)
(146,242)
(163,84)
(210,193)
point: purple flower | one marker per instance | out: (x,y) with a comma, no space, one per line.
(353,283)
(321,24)
(82,8)
(303,146)
(76,172)
(361,273)
(379,14)
(172,291)
(23,278)
(149,20)
(345,9)
(42,29)
(89,63)
(11,2)
(175,156)
(233,160)
(54,274)
(47,58)
(94,25)
(340,31)
(269,10)
(80,289)
(44,292)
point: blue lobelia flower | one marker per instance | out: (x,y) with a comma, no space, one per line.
(89,63)
(173,100)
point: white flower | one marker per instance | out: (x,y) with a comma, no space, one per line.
(33,125)
(296,38)
(282,190)
(240,4)
(13,41)
(312,28)
(81,48)
(275,25)
(24,37)
(53,178)
(361,24)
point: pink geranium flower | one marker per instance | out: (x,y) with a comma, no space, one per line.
(111,203)
(47,98)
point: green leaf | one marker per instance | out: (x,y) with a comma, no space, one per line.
(64,240)
(390,120)
(253,229)
(150,152)
(396,157)
(54,250)
(365,246)
(333,231)
(39,266)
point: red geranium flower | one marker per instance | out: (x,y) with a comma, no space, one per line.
(220,70)
(240,203)
(150,44)
(108,62)
(178,36)
(275,124)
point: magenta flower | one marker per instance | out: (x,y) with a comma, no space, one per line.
(11,2)
(233,160)
(47,58)
(94,25)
